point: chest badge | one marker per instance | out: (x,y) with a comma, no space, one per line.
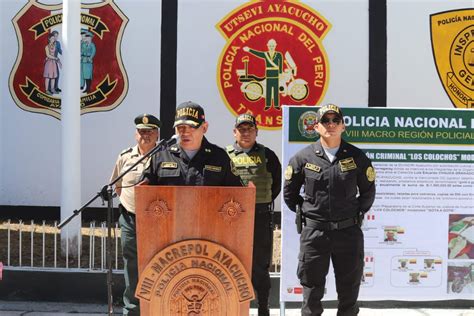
(312,167)
(169,165)
(213,168)
(347,164)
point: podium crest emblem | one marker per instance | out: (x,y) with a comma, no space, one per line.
(35,79)
(452,40)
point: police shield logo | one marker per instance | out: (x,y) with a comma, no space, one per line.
(452,40)
(35,79)
(307,125)
(273,56)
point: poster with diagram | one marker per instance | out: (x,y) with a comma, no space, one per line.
(419,234)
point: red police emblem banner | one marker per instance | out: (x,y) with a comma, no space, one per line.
(35,80)
(273,56)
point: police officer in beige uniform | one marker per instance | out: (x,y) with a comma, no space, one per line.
(146,135)
(339,187)
(259,164)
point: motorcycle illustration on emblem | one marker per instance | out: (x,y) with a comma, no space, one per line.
(276,80)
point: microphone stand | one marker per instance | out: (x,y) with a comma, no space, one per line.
(106,193)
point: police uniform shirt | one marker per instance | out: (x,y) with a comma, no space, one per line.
(210,167)
(333,191)
(272,163)
(126,185)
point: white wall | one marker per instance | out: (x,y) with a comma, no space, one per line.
(200,45)
(30,143)
(31,169)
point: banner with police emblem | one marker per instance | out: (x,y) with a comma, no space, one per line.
(452,40)
(273,55)
(35,80)
(419,233)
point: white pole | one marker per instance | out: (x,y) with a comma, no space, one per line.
(70,124)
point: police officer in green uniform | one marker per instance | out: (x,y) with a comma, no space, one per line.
(259,164)
(339,187)
(193,160)
(273,69)
(146,135)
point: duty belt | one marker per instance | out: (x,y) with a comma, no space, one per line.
(331,225)
(124,211)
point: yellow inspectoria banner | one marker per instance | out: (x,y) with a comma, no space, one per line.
(452,40)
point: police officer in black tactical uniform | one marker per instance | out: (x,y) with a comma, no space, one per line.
(193,161)
(339,188)
(259,164)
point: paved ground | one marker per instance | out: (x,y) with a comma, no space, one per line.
(61,309)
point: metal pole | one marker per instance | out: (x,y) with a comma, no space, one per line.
(282,308)
(70,121)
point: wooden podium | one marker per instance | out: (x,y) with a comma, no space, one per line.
(194,250)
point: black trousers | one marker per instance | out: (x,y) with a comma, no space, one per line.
(345,248)
(262,256)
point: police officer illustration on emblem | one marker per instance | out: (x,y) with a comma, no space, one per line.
(276,81)
(35,77)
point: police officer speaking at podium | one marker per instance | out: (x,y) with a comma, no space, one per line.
(146,135)
(339,187)
(193,160)
(259,164)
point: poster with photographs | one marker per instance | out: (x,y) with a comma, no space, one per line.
(419,233)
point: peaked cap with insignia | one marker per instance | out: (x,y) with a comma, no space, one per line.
(147,121)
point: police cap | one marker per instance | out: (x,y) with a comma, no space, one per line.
(189,113)
(147,121)
(328,108)
(245,118)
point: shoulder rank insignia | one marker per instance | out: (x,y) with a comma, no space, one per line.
(213,168)
(126,151)
(312,167)
(347,164)
(370,174)
(288,172)
(174,148)
(169,165)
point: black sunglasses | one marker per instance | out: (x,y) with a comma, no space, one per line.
(336,121)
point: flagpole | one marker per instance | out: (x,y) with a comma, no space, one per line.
(70,125)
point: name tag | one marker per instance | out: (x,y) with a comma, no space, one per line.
(312,167)
(213,168)
(347,164)
(169,165)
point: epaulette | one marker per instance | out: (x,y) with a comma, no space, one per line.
(230,148)
(174,148)
(126,151)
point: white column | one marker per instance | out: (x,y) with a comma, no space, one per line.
(70,125)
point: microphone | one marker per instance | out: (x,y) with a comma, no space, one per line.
(173,140)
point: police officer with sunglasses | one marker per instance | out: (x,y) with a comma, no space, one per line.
(339,187)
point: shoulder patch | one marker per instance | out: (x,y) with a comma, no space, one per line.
(312,167)
(126,151)
(370,174)
(288,172)
(169,165)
